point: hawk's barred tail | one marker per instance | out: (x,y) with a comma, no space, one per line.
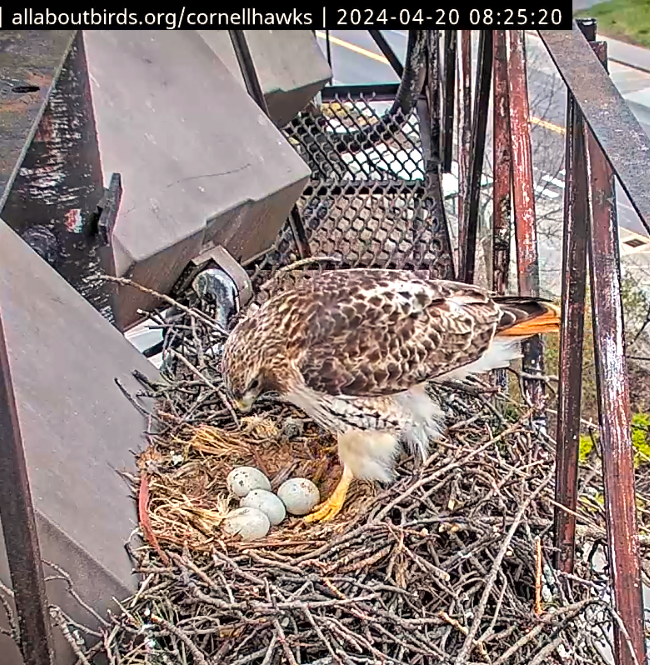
(525,317)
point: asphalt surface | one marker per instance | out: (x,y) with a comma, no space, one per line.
(356,60)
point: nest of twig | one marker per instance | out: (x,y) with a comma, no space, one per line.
(450,564)
(186,479)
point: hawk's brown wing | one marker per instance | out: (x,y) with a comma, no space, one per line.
(374,332)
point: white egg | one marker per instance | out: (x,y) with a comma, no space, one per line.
(245,479)
(249,523)
(299,495)
(267,502)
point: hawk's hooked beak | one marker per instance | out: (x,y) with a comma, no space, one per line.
(245,404)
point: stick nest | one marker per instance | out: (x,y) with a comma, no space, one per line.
(450,564)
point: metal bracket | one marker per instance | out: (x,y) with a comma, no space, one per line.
(108,208)
(219,256)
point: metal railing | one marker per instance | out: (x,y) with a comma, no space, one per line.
(603,140)
(599,146)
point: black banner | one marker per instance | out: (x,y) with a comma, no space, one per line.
(350,15)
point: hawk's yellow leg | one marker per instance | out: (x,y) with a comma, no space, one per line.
(332,507)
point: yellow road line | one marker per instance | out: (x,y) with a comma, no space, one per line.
(380,58)
(353,47)
(547,125)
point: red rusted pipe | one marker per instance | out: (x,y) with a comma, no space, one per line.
(614,404)
(524,204)
(574,277)
(502,168)
(465,135)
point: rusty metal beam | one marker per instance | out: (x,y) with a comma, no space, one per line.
(449,100)
(614,401)
(574,278)
(616,130)
(524,205)
(502,159)
(432,92)
(19,528)
(502,179)
(577,222)
(467,244)
(614,408)
(464,131)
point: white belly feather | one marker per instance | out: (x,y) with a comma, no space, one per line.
(499,355)
(370,430)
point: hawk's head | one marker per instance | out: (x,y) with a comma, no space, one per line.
(255,360)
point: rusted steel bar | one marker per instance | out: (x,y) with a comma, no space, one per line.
(432,92)
(501,203)
(502,178)
(464,131)
(471,203)
(449,99)
(19,528)
(577,223)
(622,139)
(388,52)
(614,404)
(430,122)
(574,278)
(524,205)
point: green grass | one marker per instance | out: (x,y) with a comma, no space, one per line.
(627,20)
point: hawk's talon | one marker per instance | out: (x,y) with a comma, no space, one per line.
(329,509)
(325,511)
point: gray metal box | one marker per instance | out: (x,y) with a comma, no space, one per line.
(78,431)
(289,63)
(201,164)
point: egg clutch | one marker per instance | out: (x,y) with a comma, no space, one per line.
(260,508)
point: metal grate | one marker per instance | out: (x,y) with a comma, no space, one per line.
(367,203)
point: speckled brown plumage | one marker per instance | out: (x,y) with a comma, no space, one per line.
(371,332)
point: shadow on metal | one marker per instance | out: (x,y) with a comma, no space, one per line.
(57,186)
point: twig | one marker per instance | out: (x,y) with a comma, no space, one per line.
(538,576)
(57,617)
(489,583)
(123,281)
(208,383)
(194,650)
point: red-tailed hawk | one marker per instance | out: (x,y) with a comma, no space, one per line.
(354,349)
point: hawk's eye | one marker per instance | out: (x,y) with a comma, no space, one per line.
(254,385)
